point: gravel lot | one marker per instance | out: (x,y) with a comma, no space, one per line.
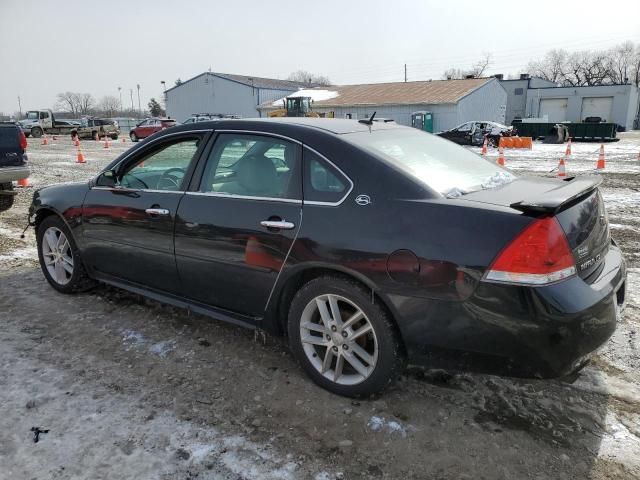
(130,388)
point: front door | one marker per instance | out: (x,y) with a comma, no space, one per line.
(128,227)
(234,233)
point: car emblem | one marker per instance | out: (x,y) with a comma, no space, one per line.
(583,252)
(363,200)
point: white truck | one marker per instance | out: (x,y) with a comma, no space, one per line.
(39,122)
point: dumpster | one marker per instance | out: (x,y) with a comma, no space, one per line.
(582,132)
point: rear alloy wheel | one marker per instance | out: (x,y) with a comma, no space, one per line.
(36,132)
(346,343)
(60,258)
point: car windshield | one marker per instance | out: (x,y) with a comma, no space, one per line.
(434,162)
(32,115)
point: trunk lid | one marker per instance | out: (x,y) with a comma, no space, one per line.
(575,202)
(11,153)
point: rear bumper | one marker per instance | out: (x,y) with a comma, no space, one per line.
(521,331)
(11,174)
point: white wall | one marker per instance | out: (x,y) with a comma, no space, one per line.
(489,102)
(625,101)
(211,94)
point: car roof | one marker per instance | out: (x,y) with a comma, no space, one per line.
(331,125)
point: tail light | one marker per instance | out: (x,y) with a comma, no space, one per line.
(23,140)
(539,255)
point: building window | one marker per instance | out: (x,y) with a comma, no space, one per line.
(518,91)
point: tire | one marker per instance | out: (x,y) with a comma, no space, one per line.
(114,137)
(36,132)
(6,201)
(380,344)
(95,136)
(75,281)
(133,136)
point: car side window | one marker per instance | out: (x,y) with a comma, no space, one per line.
(253,166)
(465,127)
(322,181)
(164,168)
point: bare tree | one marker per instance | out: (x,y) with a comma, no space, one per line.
(551,67)
(85,103)
(67,102)
(109,105)
(302,76)
(477,70)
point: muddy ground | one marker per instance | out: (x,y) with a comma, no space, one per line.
(129,388)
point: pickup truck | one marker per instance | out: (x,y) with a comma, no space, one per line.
(96,128)
(39,122)
(13,162)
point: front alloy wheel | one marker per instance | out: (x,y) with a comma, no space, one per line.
(57,255)
(346,341)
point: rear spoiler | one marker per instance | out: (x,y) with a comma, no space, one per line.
(553,200)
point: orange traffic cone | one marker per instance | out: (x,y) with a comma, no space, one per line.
(23,182)
(80,157)
(106,142)
(484,147)
(567,152)
(561,168)
(45,140)
(501,156)
(600,164)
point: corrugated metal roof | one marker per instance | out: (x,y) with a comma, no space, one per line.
(258,82)
(400,93)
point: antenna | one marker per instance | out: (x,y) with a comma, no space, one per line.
(369,121)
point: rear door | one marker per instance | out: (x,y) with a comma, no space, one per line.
(234,231)
(128,228)
(554,108)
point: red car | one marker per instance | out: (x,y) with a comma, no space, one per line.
(150,126)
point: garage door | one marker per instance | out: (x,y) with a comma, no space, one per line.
(554,108)
(597,107)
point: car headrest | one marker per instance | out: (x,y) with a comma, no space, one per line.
(258,175)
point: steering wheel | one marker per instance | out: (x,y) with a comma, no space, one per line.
(137,179)
(170,180)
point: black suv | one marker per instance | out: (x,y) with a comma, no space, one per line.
(13,161)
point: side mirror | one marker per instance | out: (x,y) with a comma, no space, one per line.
(107,179)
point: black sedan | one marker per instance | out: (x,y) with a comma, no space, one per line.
(367,244)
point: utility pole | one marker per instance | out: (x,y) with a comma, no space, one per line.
(139,107)
(131,93)
(20,106)
(120,93)
(405,72)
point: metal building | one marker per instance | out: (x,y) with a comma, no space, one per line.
(212,92)
(452,102)
(612,103)
(517,90)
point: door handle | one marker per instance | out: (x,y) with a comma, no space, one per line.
(157,211)
(280,224)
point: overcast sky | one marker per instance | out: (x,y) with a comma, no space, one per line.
(48,47)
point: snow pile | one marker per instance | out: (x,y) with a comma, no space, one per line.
(133,339)
(316,95)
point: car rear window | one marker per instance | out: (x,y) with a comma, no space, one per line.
(435,162)
(9,137)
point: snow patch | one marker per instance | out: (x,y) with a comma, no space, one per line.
(381,424)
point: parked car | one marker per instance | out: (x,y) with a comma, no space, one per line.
(13,162)
(367,244)
(474,133)
(206,117)
(96,129)
(148,127)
